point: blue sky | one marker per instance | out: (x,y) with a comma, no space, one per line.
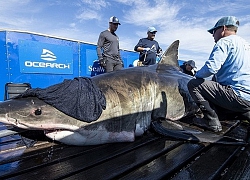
(186,20)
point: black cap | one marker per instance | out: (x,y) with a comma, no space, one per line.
(191,63)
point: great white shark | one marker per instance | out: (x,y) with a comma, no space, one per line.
(135,97)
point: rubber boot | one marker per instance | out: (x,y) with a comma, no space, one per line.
(244,116)
(211,117)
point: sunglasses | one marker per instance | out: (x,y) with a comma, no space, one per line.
(190,66)
(153,32)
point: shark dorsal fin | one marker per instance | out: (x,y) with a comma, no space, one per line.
(170,56)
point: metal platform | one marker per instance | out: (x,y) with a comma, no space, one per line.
(150,157)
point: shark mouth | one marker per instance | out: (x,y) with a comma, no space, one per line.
(55,131)
(42,126)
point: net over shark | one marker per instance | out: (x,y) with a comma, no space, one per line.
(121,104)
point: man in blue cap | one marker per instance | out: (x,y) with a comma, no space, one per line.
(229,64)
(108,51)
(148,48)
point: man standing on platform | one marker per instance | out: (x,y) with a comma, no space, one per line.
(108,51)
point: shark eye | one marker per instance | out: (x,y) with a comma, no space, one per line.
(38,112)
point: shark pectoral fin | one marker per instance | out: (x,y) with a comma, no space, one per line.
(165,128)
(190,134)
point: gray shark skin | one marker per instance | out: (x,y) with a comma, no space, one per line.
(134,98)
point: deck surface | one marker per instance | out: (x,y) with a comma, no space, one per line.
(151,156)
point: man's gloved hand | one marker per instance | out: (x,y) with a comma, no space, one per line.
(102,62)
(146,49)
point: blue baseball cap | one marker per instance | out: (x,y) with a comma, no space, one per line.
(228,20)
(152,29)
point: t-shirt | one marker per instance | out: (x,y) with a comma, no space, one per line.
(151,54)
(108,44)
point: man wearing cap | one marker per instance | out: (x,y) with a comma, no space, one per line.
(188,67)
(229,64)
(148,48)
(108,51)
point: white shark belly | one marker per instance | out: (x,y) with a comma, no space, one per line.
(90,137)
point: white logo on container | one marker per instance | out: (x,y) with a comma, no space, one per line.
(48,55)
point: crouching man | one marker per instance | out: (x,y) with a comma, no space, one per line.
(229,63)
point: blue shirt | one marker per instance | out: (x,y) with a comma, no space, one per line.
(230,62)
(151,54)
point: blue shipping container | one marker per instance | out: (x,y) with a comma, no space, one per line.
(43,60)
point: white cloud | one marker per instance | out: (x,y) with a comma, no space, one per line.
(186,20)
(94,4)
(88,14)
(143,13)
